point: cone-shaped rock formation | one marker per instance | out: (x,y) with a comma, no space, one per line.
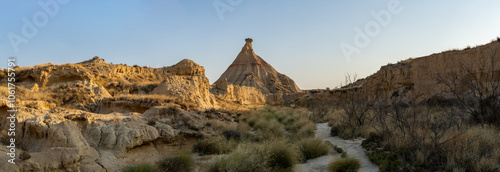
(248,69)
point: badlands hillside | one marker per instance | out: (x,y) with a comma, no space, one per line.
(96,116)
(99,116)
(436,78)
(435,113)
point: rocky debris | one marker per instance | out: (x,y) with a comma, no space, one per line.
(248,69)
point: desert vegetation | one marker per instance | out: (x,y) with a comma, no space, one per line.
(142,168)
(423,137)
(344,165)
(263,139)
(408,119)
(460,132)
(269,139)
(182,162)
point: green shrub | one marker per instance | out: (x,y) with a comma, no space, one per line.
(334,130)
(389,161)
(141,168)
(267,156)
(248,158)
(343,155)
(372,142)
(182,162)
(272,123)
(306,129)
(282,155)
(339,150)
(312,148)
(269,130)
(213,145)
(231,134)
(344,165)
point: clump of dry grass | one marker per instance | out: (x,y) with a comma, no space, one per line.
(214,145)
(344,165)
(221,125)
(313,148)
(247,157)
(183,162)
(476,150)
(277,155)
(273,122)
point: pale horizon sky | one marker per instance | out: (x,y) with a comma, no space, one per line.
(301,39)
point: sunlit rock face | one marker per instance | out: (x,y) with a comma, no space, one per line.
(248,69)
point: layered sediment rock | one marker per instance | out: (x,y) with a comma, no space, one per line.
(249,69)
(241,94)
(420,79)
(97,116)
(189,85)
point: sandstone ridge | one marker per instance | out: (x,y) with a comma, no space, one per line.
(99,116)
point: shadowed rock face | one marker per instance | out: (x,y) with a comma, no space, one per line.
(248,69)
(417,79)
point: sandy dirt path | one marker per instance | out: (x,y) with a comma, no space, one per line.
(351,147)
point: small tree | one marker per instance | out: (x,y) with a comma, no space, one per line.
(476,88)
(358,103)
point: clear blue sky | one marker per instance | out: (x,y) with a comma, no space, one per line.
(299,38)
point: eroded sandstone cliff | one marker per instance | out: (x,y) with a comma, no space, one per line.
(249,69)
(97,116)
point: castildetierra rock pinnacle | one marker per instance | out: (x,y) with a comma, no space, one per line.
(248,69)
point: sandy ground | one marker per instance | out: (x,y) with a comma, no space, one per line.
(352,147)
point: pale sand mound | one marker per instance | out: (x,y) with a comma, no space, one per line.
(351,147)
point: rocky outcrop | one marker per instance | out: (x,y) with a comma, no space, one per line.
(250,70)
(240,94)
(47,75)
(97,116)
(186,67)
(188,85)
(74,140)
